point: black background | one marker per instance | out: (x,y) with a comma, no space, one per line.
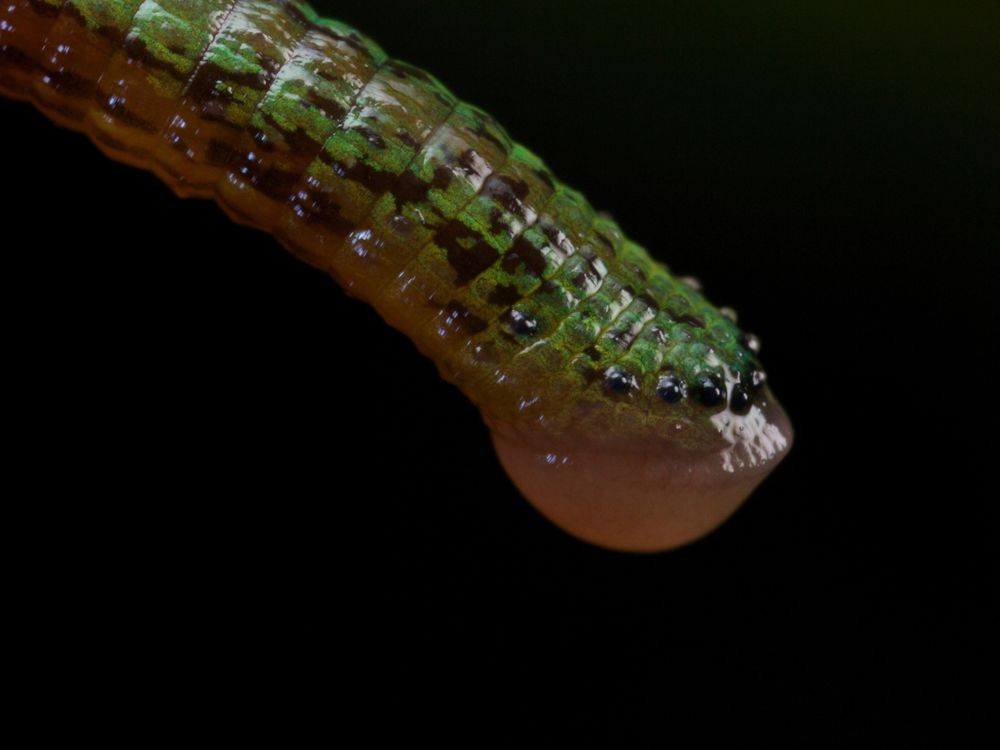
(221,432)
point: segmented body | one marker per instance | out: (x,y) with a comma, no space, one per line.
(537,306)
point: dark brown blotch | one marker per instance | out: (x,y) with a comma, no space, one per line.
(523,253)
(331,108)
(321,207)
(409,188)
(508,192)
(498,224)
(483,131)
(70,84)
(648,301)
(261,139)
(109,33)
(298,140)
(269,63)
(468,252)
(115,106)
(625,336)
(375,180)
(504,295)
(204,84)
(370,135)
(353,40)
(273,182)
(220,153)
(405,70)
(594,262)
(43,9)
(15,58)
(691,320)
(406,139)
(442,178)
(467,161)
(401,224)
(463,320)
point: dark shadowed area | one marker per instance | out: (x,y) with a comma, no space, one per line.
(223,437)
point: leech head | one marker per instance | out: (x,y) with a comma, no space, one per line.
(646,459)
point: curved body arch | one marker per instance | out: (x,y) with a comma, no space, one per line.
(623,404)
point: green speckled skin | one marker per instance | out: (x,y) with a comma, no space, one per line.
(531,301)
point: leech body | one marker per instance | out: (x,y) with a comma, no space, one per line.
(625,406)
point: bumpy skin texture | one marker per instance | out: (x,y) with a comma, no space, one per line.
(535,305)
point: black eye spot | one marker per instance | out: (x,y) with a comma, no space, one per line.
(619,381)
(521,324)
(709,391)
(670,389)
(739,401)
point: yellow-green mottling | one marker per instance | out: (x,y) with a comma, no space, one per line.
(356,155)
